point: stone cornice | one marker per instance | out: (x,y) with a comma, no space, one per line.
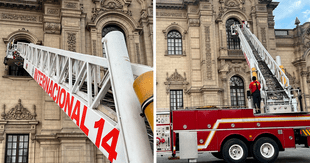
(21,4)
(170,6)
(178,6)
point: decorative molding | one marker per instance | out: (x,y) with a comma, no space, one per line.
(306,38)
(143,14)
(21,17)
(98,11)
(232,3)
(71,40)
(264,40)
(111,4)
(176,79)
(52,28)
(304,73)
(170,14)
(261,8)
(175,26)
(138,53)
(22,34)
(206,7)
(3,113)
(22,4)
(94,47)
(71,5)
(208,53)
(193,22)
(53,11)
(238,68)
(271,22)
(19,113)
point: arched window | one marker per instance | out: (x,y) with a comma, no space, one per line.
(108,29)
(233,42)
(237,91)
(174,43)
(15,65)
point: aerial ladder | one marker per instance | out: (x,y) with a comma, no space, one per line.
(78,83)
(276,91)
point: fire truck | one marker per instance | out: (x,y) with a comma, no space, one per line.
(233,134)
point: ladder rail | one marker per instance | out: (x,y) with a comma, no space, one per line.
(62,73)
(252,62)
(271,63)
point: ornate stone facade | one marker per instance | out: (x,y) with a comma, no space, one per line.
(209,62)
(71,25)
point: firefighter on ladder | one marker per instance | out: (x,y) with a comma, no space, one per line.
(255,91)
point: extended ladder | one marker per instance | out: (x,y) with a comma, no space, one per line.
(275,87)
(78,82)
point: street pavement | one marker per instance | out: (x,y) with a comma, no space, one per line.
(299,155)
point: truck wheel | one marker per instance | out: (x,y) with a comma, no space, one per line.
(235,151)
(265,150)
(217,155)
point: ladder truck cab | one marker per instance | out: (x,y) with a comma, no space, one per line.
(233,134)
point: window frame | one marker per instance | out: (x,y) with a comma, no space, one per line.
(13,70)
(177,92)
(232,44)
(236,88)
(17,148)
(174,46)
(107,29)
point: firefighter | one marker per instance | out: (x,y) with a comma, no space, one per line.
(255,91)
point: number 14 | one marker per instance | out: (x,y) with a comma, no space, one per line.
(113,134)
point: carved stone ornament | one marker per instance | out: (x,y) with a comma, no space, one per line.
(193,22)
(176,79)
(208,53)
(71,40)
(71,5)
(110,5)
(52,28)
(238,68)
(19,113)
(306,38)
(21,17)
(143,14)
(232,3)
(53,11)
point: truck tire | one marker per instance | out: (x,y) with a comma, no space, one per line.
(265,150)
(217,155)
(234,151)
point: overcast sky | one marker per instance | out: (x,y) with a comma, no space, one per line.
(287,11)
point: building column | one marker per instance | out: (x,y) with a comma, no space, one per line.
(146,22)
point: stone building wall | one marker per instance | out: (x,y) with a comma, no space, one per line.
(74,25)
(207,64)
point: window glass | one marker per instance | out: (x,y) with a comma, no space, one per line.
(17,149)
(237,91)
(233,42)
(174,43)
(176,99)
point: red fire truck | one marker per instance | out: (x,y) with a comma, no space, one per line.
(235,134)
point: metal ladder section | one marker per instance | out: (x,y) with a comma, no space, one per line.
(274,82)
(62,75)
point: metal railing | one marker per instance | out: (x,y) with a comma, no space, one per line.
(86,79)
(251,60)
(271,63)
